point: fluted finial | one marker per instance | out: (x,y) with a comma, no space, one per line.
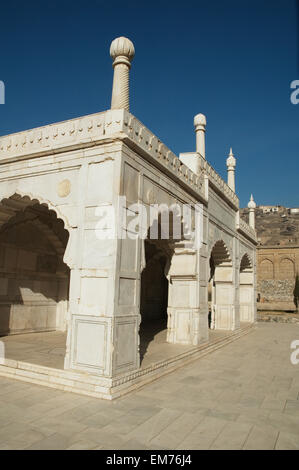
(122,49)
(231,164)
(122,52)
(251,203)
(200,123)
(231,161)
(200,120)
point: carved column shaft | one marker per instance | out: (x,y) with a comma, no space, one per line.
(200,123)
(252,218)
(231,165)
(122,52)
(251,207)
(120,90)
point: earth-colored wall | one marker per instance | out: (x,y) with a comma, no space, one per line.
(277,257)
(276,275)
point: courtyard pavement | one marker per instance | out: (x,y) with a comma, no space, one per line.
(48,348)
(242,396)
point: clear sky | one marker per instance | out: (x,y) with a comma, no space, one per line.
(231,60)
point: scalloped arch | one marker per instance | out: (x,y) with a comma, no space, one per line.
(246,262)
(220,252)
(39,200)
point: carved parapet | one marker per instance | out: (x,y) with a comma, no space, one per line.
(154,150)
(92,130)
(219,184)
(245,229)
(53,138)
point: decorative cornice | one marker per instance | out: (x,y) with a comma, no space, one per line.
(53,138)
(93,129)
(277,247)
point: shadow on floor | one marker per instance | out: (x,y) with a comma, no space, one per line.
(148,331)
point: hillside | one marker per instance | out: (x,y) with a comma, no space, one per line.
(275,228)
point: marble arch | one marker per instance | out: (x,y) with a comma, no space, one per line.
(29,199)
(222,288)
(34,277)
(246,262)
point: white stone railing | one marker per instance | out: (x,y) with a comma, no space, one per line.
(48,139)
(243,227)
(145,139)
(90,130)
(219,183)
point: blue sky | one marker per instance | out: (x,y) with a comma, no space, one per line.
(233,61)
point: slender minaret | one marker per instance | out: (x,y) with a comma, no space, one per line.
(122,52)
(231,165)
(200,123)
(252,206)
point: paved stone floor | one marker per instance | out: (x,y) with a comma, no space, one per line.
(48,348)
(242,396)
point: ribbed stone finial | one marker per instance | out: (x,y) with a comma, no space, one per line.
(251,203)
(122,52)
(231,164)
(200,120)
(122,47)
(200,123)
(231,161)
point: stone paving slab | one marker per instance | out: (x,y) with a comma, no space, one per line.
(244,396)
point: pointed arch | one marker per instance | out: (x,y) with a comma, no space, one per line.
(266,269)
(286,268)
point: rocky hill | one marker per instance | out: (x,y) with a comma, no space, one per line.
(276,226)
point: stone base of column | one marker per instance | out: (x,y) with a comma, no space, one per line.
(104,346)
(187,326)
(246,313)
(225,317)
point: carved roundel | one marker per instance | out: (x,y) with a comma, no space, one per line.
(151,197)
(64,188)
